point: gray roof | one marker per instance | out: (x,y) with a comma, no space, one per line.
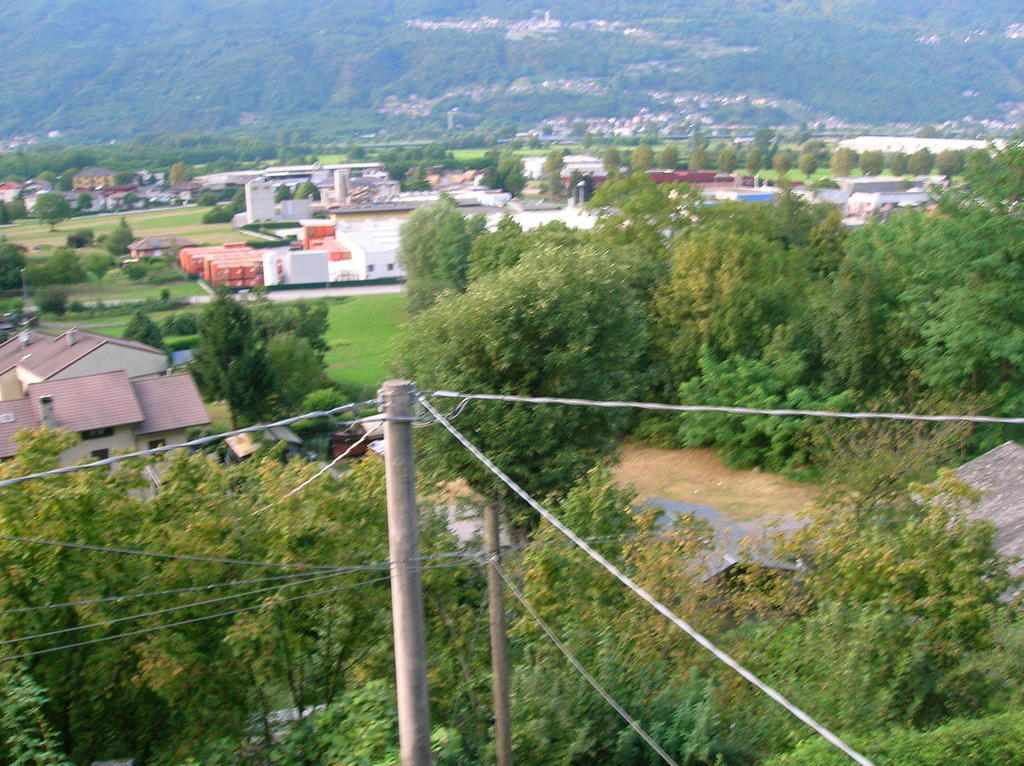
(168,403)
(45,355)
(998,476)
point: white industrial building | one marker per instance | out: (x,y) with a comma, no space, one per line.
(911,144)
(373,250)
(533,167)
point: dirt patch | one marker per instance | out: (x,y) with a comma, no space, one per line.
(699,476)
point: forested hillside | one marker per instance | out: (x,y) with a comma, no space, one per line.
(110,67)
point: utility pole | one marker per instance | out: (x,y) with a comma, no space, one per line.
(406,585)
(499,640)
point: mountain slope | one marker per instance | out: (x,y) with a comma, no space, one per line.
(115,67)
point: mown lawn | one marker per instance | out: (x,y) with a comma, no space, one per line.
(114,287)
(361,338)
(183,222)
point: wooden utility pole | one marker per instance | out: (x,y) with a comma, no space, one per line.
(406,585)
(499,641)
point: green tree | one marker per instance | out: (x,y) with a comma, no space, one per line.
(872,163)
(843,162)
(66,180)
(753,161)
(178,174)
(307,320)
(668,157)
(52,300)
(98,264)
(297,370)
(144,330)
(642,159)
(543,324)
(26,736)
(51,209)
(612,161)
(921,162)
(305,190)
(782,163)
(117,241)
(727,161)
(899,163)
(553,164)
(83,203)
(231,360)
(435,244)
(282,193)
(949,163)
(12,261)
(512,173)
(493,251)
(808,164)
(66,266)
(698,159)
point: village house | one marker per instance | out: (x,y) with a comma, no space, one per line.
(34,357)
(9,191)
(92,178)
(157,247)
(110,412)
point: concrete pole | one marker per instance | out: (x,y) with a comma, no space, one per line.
(499,639)
(406,586)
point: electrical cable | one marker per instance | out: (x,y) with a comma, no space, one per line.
(642,593)
(180,623)
(166,610)
(731,410)
(150,594)
(582,670)
(171,556)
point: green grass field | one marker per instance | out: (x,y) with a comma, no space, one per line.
(361,337)
(114,287)
(183,222)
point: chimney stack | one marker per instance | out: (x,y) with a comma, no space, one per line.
(72,336)
(25,338)
(46,405)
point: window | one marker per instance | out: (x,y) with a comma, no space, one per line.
(100,454)
(391,267)
(97,433)
(369,269)
(156,443)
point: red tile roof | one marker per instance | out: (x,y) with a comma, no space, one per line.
(169,402)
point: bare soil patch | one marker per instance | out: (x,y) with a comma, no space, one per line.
(700,476)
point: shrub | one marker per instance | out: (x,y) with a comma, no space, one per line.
(53,300)
(218,214)
(81,238)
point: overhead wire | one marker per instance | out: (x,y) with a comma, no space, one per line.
(698,637)
(579,667)
(190,621)
(698,408)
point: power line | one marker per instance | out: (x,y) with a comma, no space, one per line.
(150,594)
(196,442)
(731,410)
(172,556)
(583,671)
(165,610)
(664,610)
(180,623)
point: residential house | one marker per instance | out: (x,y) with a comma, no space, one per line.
(33,357)
(92,178)
(9,191)
(157,247)
(110,412)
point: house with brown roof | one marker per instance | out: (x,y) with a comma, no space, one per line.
(110,412)
(33,357)
(157,247)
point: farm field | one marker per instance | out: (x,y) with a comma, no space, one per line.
(182,222)
(361,337)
